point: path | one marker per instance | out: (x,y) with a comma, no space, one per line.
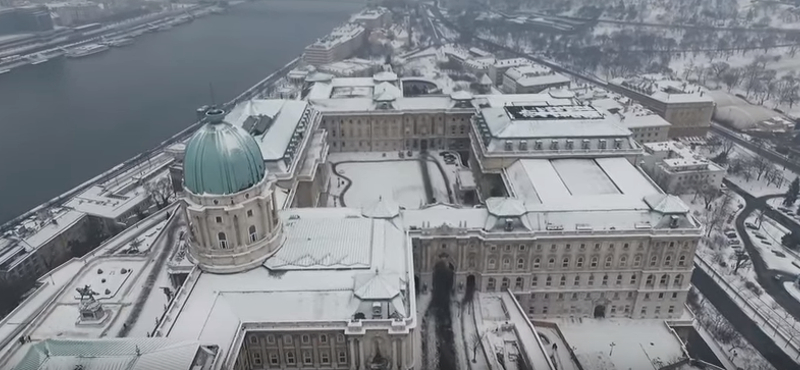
(771,280)
(346,186)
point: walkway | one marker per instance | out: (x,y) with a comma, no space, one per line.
(771,280)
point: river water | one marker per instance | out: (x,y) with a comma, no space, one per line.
(66,121)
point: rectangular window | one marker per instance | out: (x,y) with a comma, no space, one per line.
(544,310)
(290,360)
(307,359)
(340,338)
(270,339)
(249,213)
(305,338)
(342,357)
(256,358)
(287,339)
(323,338)
(253,339)
(273,358)
(324,357)
(671,309)
(218,219)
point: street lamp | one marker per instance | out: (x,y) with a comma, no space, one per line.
(612,345)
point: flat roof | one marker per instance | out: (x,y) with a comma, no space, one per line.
(614,343)
(664,89)
(518,122)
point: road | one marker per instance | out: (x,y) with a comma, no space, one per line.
(771,280)
(744,324)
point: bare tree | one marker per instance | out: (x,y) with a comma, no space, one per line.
(716,216)
(160,191)
(476,340)
(760,165)
(742,259)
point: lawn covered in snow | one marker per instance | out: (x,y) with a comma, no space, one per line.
(399,180)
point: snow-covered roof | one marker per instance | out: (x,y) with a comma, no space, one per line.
(279,118)
(328,260)
(505,207)
(664,89)
(382,208)
(666,204)
(678,157)
(534,75)
(338,36)
(111,354)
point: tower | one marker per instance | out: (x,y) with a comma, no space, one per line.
(229,198)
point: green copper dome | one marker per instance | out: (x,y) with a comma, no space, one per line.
(221,158)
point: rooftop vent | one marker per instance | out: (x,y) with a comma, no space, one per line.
(509,225)
(673,222)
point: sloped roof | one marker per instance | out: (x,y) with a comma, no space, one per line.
(503,207)
(110,354)
(385,91)
(382,208)
(666,204)
(377,286)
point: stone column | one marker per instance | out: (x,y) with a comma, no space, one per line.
(352,353)
(361,353)
(394,353)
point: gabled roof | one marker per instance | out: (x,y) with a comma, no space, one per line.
(505,207)
(382,208)
(666,204)
(377,286)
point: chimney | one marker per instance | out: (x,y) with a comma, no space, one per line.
(673,222)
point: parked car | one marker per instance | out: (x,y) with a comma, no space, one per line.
(759,235)
(777,277)
(731,234)
(750,225)
(765,242)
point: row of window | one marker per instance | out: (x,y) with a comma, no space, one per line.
(519,282)
(305,339)
(593,262)
(222,238)
(569,144)
(591,295)
(626,309)
(582,247)
(290,358)
(385,131)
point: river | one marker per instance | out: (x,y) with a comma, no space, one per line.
(66,121)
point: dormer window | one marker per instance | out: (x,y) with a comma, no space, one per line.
(523,145)
(617,143)
(538,145)
(509,145)
(570,145)
(554,145)
(377,310)
(585,144)
(602,144)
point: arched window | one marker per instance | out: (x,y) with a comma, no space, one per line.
(577,280)
(537,262)
(534,280)
(253,234)
(492,263)
(682,260)
(223,241)
(591,279)
(668,260)
(521,263)
(594,262)
(609,260)
(664,279)
(619,279)
(623,261)
(563,281)
(504,284)
(551,262)
(653,260)
(506,263)
(579,262)
(548,281)
(518,283)
(565,262)
(678,281)
(650,279)
(637,261)
(605,279)
(633,279)
(490,285)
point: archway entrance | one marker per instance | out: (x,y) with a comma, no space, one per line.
(470,292)
(599,311)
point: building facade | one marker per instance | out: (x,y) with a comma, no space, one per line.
(340,44)
(687,108)
(680,170)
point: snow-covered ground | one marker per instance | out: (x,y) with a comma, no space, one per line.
(144,240)
(374,177)
(777,204)
(775,255)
